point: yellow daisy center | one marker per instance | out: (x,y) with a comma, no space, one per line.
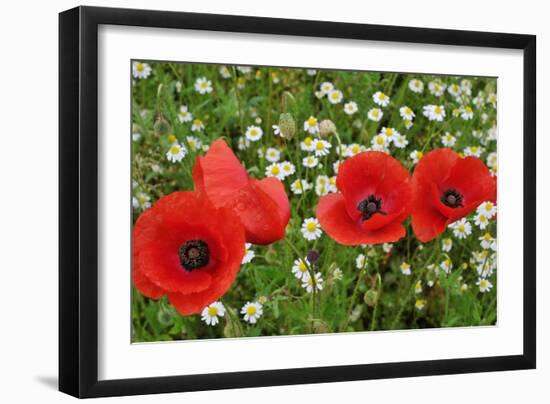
(437,110)
(320,146)
(308,141)
(302,267)
(487,237)
(175,149)
(275,170)
(197,122)
(375,112)
(311,227)
(312,121)
(251,310)
(140,67)
(212,311)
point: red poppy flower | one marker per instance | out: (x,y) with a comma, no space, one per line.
(262,206)
(374,200)
(446,188)
(186,248)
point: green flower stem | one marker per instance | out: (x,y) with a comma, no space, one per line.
(411,288)
(375,309)
(311,274)
(238,98)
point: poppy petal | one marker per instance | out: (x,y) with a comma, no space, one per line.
(146,287)
(259,214)
(276,190)
(335,221)
(219,173)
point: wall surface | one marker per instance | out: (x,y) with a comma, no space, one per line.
(28,199)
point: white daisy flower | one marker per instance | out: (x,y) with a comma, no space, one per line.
(321,147)
(287,168)
(484,285)
(436,87)
(322,189)
(488,242)
(400,141)
(307,144)
(419,304)
(405,268)
(299,186)
(380,142)
(434,112)
(461,228)
(466,112)
(416,86)
(310,161)
(224,72)
(446,265)
(492,159)
(311,72)
(326,87)
(337,274)
(308,283)
(197,125)
(141,70)
(211,313)
(350,107)
(276,130)
(481,220)
(203,85)
(194,143)
(299,269)
(408,123)
(274,170)
(361,261)
(488,208)
(336,166)
(381,99)
(244,69)
(446,244)
(311,125)
(254,133)
(136,136)
(249,254)
(448,139)
(184,115)
(415,156)
(311,229)
(463,287)
(387,247)
(332,184)
(141,201)
(252,311)
(176,153)
(335,97)
(406,113)
(354,149)
(243,143)
(375,114)
(390,133)
(418,287)
(272,154)
(473,151)
(454,89)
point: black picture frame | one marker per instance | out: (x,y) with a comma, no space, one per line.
(78,201)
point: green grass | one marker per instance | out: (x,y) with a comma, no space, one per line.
(377,297)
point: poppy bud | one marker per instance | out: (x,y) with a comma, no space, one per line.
(320,327)
(164,317)
(161,126)
(313,257)
(327,128)
(287,126)
(371,297)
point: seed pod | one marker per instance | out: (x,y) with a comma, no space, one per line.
(288,102)
(320,327)
(161,126)
(371,297)
(327,128)
(287,125)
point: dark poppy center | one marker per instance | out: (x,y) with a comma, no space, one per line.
(194,254)
(452,198)
(368,207)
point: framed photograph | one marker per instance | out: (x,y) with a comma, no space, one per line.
(251,202)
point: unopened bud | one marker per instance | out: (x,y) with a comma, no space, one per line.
(161,126)
(371,297)
(287,126)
